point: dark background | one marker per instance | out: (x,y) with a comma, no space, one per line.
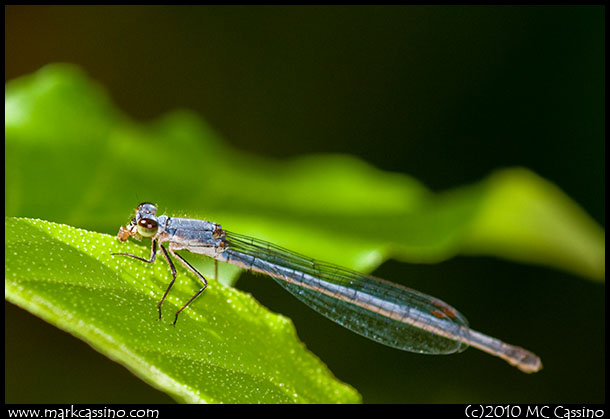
(446,94)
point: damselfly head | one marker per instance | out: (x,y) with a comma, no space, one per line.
(146,220)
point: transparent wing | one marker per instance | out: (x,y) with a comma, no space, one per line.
(380,310)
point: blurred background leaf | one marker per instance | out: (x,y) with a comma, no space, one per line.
(448,94)
(332,207)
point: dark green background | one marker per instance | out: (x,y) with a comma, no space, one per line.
(446,94)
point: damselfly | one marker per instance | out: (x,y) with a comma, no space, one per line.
(379,310)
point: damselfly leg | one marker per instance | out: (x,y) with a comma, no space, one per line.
(187,265)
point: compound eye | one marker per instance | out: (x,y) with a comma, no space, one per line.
(147,227)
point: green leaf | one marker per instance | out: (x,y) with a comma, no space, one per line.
(528,219)
(224,348)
